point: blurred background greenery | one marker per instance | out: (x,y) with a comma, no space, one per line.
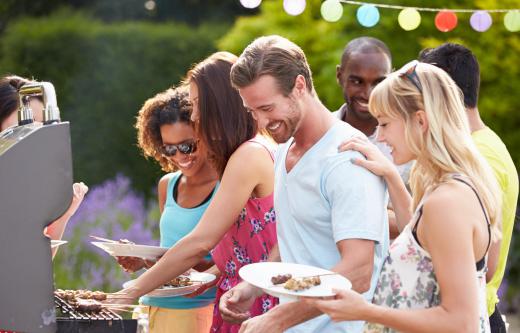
(106,57)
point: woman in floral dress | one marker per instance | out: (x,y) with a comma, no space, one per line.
(434,277)
(239,226)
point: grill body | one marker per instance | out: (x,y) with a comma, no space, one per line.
(36,188)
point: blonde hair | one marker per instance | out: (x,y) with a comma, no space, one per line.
(446,147)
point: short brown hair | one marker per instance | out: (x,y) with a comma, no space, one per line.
(168,107)
(224,124)
(275,56)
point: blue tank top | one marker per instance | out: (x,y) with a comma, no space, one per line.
(176,222)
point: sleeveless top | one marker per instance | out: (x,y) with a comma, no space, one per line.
(249,240)
(407,280)
(176,222)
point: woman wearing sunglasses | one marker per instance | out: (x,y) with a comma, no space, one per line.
(434,277)
(165,133)
(239,224)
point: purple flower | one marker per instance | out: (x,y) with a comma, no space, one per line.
(112,210)
(256,226)
(270,216)
(231,268)
(425,265)
(266,304)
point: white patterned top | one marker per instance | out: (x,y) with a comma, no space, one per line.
(407,280)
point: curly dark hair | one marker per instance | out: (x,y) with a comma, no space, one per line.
(168,107)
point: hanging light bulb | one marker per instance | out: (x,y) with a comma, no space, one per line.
(149,5)
(480,20)
(445,20)
(367,15)
(250,3)
(512,20)
(331,10)
(294,7)
(409,19)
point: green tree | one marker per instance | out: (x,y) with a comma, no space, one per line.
(188,11)
(497,50)
(103,73)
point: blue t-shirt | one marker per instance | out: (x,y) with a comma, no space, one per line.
(324,199)
(176,222)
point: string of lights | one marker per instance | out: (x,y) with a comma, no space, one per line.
(409,17)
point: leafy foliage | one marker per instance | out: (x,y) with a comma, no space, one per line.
(112,210)
(323,43)
(103,73)
(188,11)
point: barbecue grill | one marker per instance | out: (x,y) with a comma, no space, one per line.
(36,188)
(71,320)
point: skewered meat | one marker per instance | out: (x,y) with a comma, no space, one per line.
(84,294)
(99,295)
(302,284)
(281,278)
(88,305)
(179,281)
(83,300)
(96,295)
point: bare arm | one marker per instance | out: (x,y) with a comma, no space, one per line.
(446,231)
(454,255)
(237,185)
(134,264)
(356,248)
(234,305)
(56,229)
(494,253)
(400,199)
(274,256)
(392,224)
(162,189)
(357,261)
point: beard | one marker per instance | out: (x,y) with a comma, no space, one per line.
(288,126)
(284,132)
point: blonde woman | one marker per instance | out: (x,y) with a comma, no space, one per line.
(442,249)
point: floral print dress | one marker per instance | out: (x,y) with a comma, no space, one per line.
(249,240)
(407,280)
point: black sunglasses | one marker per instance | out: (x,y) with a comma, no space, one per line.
(409,72)
(185,148)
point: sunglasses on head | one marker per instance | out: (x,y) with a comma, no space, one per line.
(185,148)
(409,72)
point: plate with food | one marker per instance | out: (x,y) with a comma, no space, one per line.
(181,285)
(290,281)
(128,249)
(55,243)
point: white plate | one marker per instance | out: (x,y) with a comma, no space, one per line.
(56,243)
(165,291)
(132,250)
(260,275)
